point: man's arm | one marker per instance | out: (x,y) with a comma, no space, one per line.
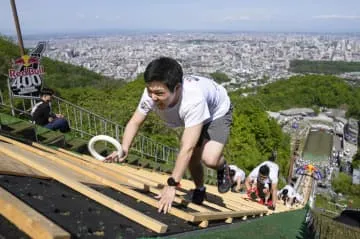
(247,183)
(238,184)
(274,193)
(131,130)
(189,140)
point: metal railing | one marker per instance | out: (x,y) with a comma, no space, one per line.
(86,124)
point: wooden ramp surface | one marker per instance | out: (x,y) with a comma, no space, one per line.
(73,170)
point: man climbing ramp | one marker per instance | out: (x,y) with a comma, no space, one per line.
(262,182)
(198,104)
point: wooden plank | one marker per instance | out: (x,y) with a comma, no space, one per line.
(127,180)
(155,177)
(151,189)
(138,184)
(10,166)
(159,178)
(202,216)
(85,190)
(138,196)
(27,219)
(100,166)
(238,204)
(231,200)
(110,183)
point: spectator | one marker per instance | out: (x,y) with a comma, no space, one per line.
(42,115)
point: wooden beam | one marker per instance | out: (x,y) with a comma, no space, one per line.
(103,167)
(127,180)
(160,178)
(203,216)
(85,190)
(110,183)
(138,196)
(237,203)
(108,168)
(27,219)
(10,167)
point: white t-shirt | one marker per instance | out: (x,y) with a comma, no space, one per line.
(273,175)
(291,191)
(238,173)
(299,197)
(202,100)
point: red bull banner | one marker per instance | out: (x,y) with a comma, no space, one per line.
(25,76)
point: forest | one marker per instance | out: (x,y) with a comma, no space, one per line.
(323,67)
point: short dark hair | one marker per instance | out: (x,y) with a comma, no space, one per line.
(264,170)
(165,70)
(46,91)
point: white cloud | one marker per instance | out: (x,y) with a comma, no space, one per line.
(334,16)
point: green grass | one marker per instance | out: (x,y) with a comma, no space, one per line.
(280,225)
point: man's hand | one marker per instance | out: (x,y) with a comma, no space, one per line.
(252,194)
(166,198)
(59,116)
(271,206)
(114,157)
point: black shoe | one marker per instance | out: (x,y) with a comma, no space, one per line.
(224,179)
(198,196)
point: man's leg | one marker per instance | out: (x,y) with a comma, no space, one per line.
(213,158)
(215,135)
(196,168)
(197,173)
(59,123)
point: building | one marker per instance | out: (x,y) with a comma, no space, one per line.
(356,176)
(298,112)
(352,131)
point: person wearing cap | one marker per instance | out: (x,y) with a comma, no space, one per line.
(42,115)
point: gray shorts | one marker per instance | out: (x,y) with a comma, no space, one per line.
(217,130)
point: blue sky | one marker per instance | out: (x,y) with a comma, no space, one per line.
(48,16)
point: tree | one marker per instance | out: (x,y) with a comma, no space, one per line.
(220,77)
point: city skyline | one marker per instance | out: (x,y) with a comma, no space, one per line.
(41,16)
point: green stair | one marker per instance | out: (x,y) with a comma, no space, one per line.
(7,119)
(53,138)
(21,126)
(78,145)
